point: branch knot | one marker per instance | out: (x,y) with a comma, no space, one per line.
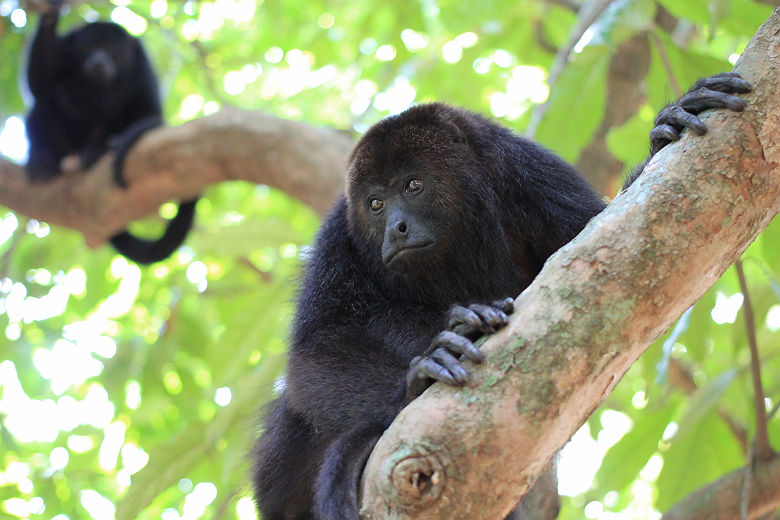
(419,477)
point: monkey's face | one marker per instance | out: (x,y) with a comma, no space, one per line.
(98,68)
(101,56)
(401,213)
(405,195)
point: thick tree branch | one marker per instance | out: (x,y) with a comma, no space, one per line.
(596,306)
(178,163)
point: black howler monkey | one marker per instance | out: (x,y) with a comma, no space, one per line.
(94,89)
(447,216)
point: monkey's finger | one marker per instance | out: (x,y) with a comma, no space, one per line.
(730,82)
(458,344)
(660,136)
(427,368)
(453,366)
(416,379)
(677,116)
(492,318)
(462,315)
(698,101)
(665,133)
(507,305)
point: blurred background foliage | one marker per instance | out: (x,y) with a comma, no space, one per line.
(130,392)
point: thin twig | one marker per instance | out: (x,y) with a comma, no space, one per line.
(762,449)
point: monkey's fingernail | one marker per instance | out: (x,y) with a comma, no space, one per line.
(460,373)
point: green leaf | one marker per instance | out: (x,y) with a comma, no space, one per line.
(671,66)
(706,452)
(622,20)
(576,106)
(703,401)
(743,17)
(624,460)
(770,246)
(631,142)
(179,455)
(694,10)
(719,9)
(241,239)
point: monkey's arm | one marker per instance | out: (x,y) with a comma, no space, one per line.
(343,390)
(286,462)
(123,142)
(42,61)
(345,378)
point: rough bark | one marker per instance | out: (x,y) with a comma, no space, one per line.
(179,162)
(596,306)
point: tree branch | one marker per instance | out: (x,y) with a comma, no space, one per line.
(721,499)
(178,163)
(596,306)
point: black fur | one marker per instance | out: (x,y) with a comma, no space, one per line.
(500,205)
(94,89)
(443,209)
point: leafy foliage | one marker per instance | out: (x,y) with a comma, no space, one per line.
(131,392)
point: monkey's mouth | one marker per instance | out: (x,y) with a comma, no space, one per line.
(402,252)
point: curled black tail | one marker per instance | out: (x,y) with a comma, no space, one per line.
(145,251)
(141,250)
(336,492)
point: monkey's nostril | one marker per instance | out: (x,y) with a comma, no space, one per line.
(401,227)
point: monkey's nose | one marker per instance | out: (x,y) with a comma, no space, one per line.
(100,68)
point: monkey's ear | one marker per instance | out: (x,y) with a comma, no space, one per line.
(455,128)
(458,134)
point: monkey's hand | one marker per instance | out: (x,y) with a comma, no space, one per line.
(71,163)
(712,92)
(464,325)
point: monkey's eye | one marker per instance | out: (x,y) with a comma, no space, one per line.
(376,205)
(414,185)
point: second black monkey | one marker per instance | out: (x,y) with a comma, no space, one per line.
(94,89)
(445,215)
